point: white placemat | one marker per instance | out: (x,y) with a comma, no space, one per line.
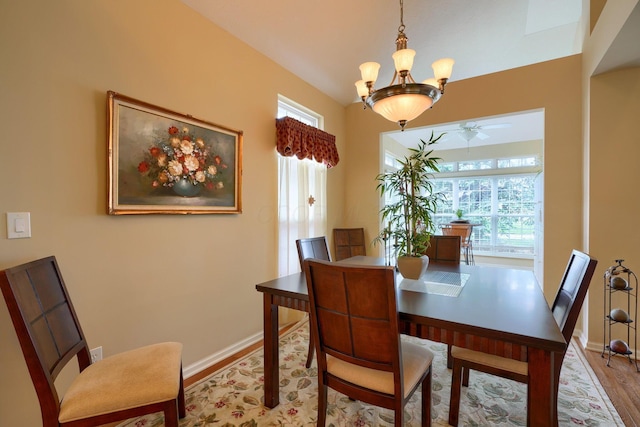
(438,283)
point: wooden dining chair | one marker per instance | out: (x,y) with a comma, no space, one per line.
(126,385)
(444,249)
(566,309)
(312,247)
(360,353)
(348,242)
(464,231)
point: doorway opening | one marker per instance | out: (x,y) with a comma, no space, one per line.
(491,172)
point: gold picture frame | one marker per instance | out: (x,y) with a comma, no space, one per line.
(163,162)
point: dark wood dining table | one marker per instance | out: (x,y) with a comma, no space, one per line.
(498,311)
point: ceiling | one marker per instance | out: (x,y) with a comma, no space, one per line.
(324,41)
(518,127)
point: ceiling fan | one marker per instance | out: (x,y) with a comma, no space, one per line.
(470,130)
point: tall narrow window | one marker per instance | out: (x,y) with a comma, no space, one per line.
(302,209)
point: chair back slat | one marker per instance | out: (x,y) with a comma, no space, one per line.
(572,291)
(41,307)
(356,313)
(444,249)
(313,247)
(348,242)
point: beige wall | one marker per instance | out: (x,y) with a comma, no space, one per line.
(611,107)
(614,178)
(137,279)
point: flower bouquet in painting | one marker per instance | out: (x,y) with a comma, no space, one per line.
(184,163)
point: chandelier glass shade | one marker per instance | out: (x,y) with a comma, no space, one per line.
(402,104)
(404,99)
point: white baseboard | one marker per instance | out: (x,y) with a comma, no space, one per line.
(582,339)
(586,343)
(199,366)
(594,346)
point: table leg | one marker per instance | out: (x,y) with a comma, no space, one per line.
(542,389)
(271,352)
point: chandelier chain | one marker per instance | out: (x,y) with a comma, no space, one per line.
(401,27)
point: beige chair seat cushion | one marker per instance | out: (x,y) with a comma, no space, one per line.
(127,380)
(494,361)
(415,361)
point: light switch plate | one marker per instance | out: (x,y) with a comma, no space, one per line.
(18,225)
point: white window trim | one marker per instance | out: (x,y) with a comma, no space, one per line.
(297,217)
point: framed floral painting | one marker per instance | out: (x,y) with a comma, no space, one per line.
(162,162)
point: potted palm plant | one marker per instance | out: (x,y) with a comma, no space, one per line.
(409,217)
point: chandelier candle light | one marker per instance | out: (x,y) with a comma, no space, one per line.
(404,99)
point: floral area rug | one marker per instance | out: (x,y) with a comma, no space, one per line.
(233,395)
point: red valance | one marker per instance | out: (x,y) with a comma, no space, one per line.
(294,138)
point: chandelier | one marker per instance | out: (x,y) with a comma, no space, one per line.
(404,99)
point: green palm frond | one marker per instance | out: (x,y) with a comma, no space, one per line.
(410,218)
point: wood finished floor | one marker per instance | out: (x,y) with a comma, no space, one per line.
(621,381)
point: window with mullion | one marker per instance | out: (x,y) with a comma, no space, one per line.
(503,205)
(516,212)
(501,200)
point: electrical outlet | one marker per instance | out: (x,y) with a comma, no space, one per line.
(96,354)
